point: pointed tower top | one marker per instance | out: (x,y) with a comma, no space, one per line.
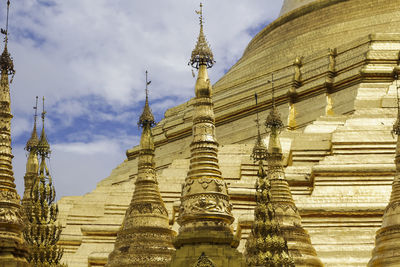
(33,141)
(6,61)
(147,117)
(259,150)
(43,146)
(274,121)
(201,54)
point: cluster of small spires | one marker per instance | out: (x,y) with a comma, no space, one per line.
(41,232)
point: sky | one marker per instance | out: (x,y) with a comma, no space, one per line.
(88,59)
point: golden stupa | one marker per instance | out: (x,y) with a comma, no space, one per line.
(333,64)
(145,237)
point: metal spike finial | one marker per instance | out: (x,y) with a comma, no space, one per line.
(259,150)
(5,32)
(201,54)
(35,108)
(274,118)
(200,12)
(6,61)
(32,143)
(147,117)
(43,111)
(43,146)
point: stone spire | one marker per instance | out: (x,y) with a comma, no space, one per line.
(42,233)
(300,247)
(145,238)
(205,216)
(387,240)
(32,164)
(266,245)
(13,251)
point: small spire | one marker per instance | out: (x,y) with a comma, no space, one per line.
(6,61)
(259,150)
(274,121)
(147,117)
(43,146)
(33,141)
(201,54)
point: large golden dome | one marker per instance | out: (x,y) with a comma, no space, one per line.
(308,27)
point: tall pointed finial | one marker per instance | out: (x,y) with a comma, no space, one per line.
(273,90)
(6,61)
(259,150)
(33,141)
(147,117)
(201,54)
(200,12)
(43,146)
(274,121)
(5,32)
(35,108)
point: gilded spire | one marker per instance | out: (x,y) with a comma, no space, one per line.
(33,141)
(299,242)
(42,233)
(145,238)
(43,145)
(205,214)
(147,116)
(274,121)
(201,54)
(266,245)
(32,163)
(6,62)
(259,150)
(387,240)
(12,245)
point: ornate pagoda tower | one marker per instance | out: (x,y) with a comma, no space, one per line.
(299,243)
(387,240)
(32,164)
(205,216)
(145,238)
(266,244)
(42,232)
(13,251)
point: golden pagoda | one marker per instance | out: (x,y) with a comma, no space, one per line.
(299,242)
(32,164)
(266,245)
(145,238)
(333,65)
(13,251)
(205,215)
(42,232)
(387,240)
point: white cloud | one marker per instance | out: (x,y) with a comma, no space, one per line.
(85,55)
